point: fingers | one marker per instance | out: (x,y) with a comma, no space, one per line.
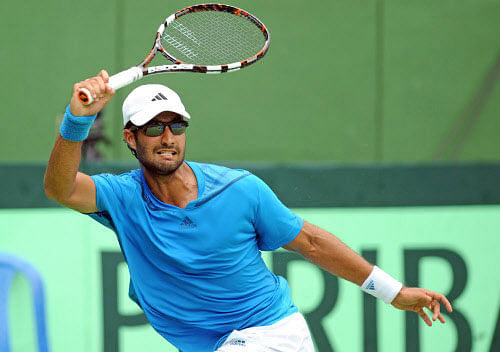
(97,85)
(424,317)
(441,318)
(100,91)
(104,75)
(440,298)
(435,307)
(416,299)
(444,300)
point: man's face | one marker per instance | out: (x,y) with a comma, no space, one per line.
(160,155)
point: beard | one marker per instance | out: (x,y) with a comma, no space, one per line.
(159,167)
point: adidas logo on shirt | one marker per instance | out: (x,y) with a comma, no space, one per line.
(187,223)
(159,96)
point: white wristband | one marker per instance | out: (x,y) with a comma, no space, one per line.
(381,285)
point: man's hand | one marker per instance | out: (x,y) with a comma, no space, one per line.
(415,299)
(100,90)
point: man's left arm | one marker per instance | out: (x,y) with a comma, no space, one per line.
(328,252)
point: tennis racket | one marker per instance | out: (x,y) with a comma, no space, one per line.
(205,38)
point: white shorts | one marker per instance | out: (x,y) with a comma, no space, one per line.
(290,334)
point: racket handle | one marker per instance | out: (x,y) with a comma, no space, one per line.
(85,96)
(117,81)
(124,78)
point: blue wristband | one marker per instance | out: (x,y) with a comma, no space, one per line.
(76,128)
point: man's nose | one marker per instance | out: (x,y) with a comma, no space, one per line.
(167,134)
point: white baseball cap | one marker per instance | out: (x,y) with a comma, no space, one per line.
(147,101)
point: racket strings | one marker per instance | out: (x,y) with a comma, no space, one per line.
(212,38)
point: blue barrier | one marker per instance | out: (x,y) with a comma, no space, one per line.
(11,265)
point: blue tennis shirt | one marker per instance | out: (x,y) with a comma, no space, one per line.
(197,272)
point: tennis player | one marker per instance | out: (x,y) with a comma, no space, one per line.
(192,233)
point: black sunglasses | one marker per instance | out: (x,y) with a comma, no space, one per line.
(156,128)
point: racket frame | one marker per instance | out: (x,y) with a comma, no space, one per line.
(135,73)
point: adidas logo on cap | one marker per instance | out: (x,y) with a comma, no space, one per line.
(159,96)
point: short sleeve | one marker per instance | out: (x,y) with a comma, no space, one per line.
(106,191)
(276,225)
(112,192)
(105,199)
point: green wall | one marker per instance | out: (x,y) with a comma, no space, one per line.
(356,81)
(451,249)
(308,185)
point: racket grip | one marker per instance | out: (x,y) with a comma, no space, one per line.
(117,81)
(124,78)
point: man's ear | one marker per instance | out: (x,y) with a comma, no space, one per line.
(129,137)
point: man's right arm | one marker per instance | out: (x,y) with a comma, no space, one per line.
(62,181)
